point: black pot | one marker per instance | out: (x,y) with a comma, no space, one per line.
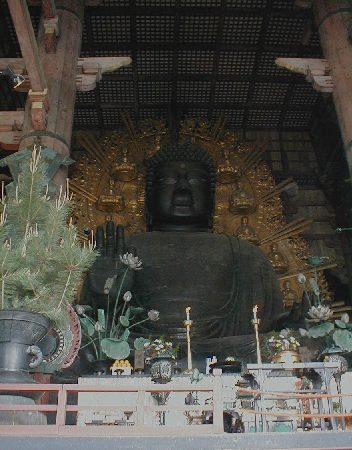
(100,367)
(20,332)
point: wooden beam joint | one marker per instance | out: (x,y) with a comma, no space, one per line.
(316,71)
(11,123)
(51,34)
(90,70)
(39,107)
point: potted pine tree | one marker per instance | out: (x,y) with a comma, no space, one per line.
(41,260)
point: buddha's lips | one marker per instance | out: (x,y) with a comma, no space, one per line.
(182,199)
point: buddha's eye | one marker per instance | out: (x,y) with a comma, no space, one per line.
(196,180)
(196,177)
(167,180)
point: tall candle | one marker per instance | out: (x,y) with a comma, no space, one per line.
(255,310)
(188,326)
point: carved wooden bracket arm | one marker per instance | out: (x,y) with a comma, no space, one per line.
(90,70)
(316,71)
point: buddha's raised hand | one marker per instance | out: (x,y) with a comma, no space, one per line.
(105,276)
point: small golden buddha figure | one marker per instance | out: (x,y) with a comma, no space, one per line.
(226,173)
(278,261)
(134,210)
(289,295)
(111,202)
(152,149)
(241,201)
(140,191)
(124,170)
(135,217)
(220,209)
(245,231)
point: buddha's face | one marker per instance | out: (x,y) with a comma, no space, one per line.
(244,221)
(181,195)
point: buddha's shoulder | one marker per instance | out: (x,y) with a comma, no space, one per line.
(179,236)
(195,239)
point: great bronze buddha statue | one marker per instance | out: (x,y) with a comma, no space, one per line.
(184,264)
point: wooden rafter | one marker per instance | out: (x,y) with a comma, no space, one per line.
(29,48)
(38,94)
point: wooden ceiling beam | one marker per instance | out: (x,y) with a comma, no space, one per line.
(256,65)
(171,46)
(216,60)
(194,11)
(228,106)
(38,94)
(28,44)
(116,76)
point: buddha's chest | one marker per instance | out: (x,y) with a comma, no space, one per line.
(182,270)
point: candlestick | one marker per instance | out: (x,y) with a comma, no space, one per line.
(256,322)
(188,324)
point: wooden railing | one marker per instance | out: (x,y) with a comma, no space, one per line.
(58,408)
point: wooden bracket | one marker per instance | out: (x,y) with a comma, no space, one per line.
(90,70)
(11,123)
(51,25)
(51,34)
(316,71)
(39,107)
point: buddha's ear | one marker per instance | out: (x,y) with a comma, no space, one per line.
(210,222)
(149,219)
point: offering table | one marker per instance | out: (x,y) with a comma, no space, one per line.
(181,403)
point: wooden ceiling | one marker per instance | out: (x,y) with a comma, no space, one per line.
(203,58)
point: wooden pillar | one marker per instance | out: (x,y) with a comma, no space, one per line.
(334,21)
(60,70)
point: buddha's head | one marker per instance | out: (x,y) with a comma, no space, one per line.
(180,189)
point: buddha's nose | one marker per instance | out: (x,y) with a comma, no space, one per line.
(182,184)
(183,192)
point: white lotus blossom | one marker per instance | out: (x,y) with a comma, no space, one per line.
(301,278)
(345,318)
(153,315)
(320,313)
(133,262)
(80,309)
(127,296)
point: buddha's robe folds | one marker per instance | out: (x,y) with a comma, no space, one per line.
(219,276)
